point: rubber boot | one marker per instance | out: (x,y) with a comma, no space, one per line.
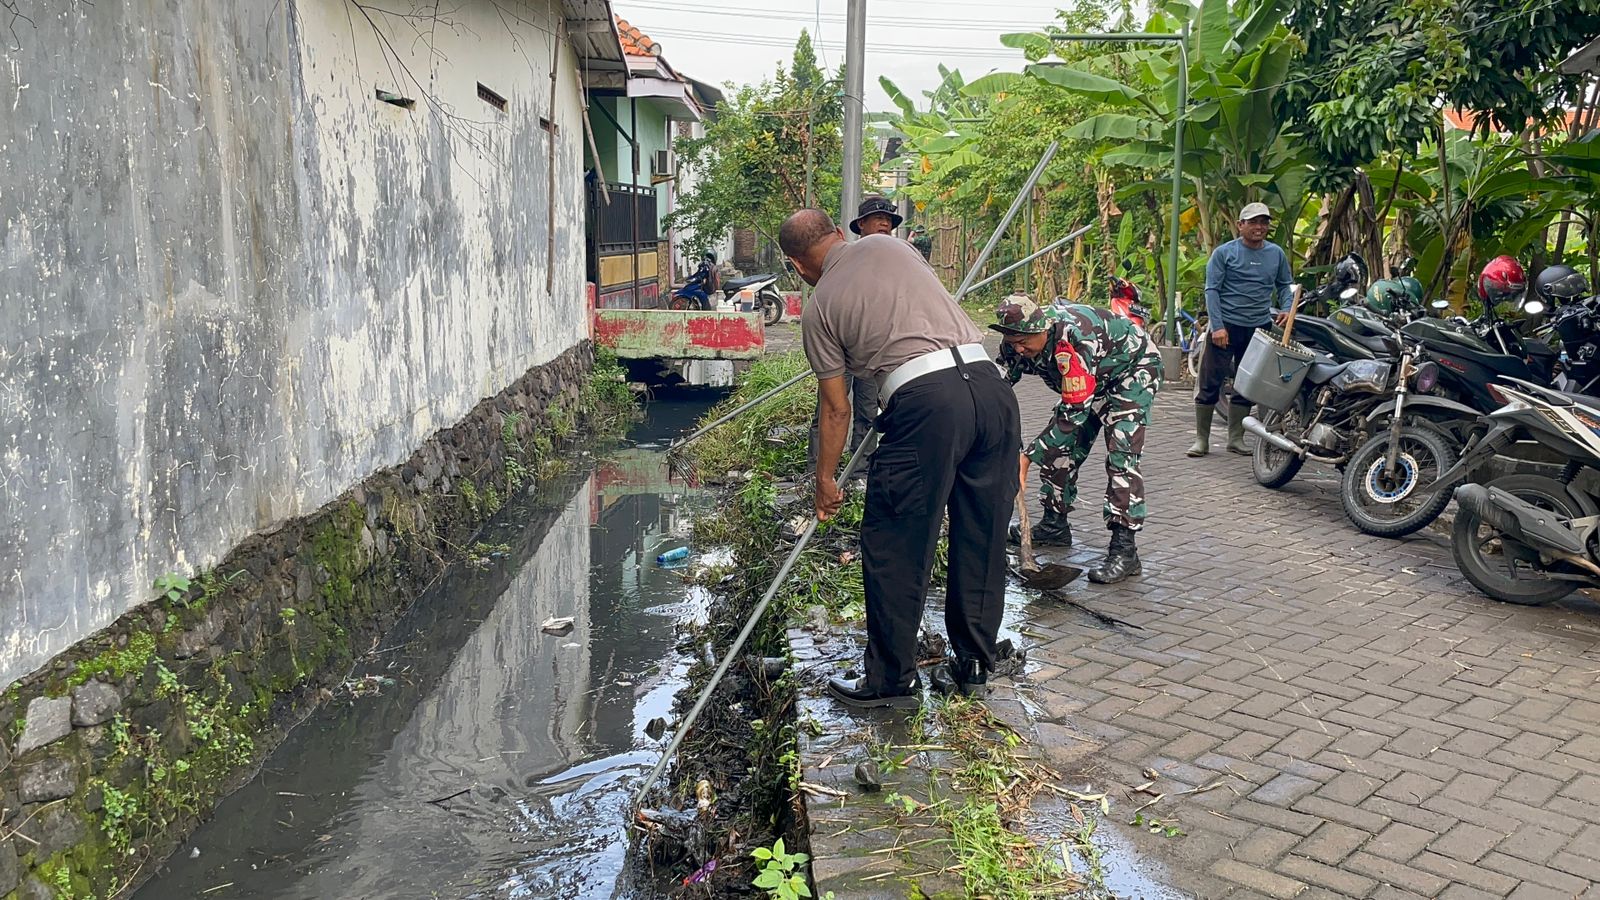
(1236,414)
(1122,558)
(1202,430)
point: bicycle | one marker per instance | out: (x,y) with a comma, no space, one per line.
(1192,336)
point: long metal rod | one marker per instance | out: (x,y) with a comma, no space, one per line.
(1031,257)
(1016,204)
(863,449)
(741,408)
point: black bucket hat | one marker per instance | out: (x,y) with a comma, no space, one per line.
(876,204)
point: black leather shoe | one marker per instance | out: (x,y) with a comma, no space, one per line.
(1122,558)
(854,692)
(964,677)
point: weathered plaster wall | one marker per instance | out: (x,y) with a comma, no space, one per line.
(233,283)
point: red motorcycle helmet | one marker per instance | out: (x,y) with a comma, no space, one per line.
(1501,280)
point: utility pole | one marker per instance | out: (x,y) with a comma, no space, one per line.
(855,58)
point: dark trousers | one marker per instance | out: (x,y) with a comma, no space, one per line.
(863,409)
(1217,365)
(949,443)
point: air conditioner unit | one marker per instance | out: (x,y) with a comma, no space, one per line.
(661,164)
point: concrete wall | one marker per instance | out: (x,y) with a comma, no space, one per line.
(233,283)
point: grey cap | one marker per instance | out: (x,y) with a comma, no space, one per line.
(1254,210)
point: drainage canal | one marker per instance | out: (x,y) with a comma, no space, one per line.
(487,747)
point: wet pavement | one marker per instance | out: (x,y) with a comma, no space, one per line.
(1322,713)
(495,758)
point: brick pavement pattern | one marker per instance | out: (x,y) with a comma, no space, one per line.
(1374,727)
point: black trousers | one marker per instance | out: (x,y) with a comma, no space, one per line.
(949,443)
(1217,365)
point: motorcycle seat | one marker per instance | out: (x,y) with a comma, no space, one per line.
(737,284)
(1322,371)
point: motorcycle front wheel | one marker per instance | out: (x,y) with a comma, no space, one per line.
(1273,466)
(1384,503)
(1503,569)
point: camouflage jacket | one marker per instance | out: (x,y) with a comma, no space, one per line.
(1089,354)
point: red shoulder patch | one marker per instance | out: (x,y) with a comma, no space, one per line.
(1077,382)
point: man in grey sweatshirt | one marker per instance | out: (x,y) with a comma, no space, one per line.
(1243,279)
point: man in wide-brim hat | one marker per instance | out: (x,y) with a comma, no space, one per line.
(876,215)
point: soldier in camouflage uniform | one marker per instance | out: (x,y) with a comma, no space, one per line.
(1107,373)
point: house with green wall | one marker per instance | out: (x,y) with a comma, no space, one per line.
(633,179)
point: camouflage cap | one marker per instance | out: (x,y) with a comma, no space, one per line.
(1018,314)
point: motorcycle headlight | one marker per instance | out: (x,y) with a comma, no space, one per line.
(1425,377)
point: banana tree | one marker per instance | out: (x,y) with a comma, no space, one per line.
(1234,152)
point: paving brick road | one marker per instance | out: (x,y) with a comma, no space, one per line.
(1378,728)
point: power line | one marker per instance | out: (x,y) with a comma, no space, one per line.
(778,41)
(833,18)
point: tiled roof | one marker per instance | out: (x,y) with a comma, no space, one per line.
(634,41)
(1466,119)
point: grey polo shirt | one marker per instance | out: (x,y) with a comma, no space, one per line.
(877,306)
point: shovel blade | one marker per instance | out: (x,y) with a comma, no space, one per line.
(1049,577)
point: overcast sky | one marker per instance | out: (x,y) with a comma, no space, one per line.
(727,40)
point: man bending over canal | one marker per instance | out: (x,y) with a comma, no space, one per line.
(949,428)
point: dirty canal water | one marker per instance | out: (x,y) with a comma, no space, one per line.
(474,754)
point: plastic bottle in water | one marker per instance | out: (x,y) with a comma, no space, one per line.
(670,556)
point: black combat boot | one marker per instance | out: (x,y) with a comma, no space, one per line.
(1052,531)
(1122,558)
(961,676)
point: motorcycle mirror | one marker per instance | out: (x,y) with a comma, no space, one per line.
(1441,303)
(1533,307)
(1349,293)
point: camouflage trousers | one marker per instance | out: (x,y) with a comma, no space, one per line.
(1060,450)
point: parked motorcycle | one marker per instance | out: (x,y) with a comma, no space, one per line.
(1357,415)
(1529,538)
(1126,302)
(1575,324)
(704,284)
(697,291)
(767,298)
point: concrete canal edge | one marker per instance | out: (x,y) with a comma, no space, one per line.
(117,749)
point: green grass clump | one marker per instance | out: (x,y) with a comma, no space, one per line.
(771,438)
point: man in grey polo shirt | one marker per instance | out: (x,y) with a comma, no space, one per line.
(949,429)
(1242,278)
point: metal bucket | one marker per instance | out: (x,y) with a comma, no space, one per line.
(1270,373)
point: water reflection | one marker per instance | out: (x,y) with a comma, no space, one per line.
(498,763)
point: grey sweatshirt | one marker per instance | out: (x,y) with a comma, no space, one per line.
(1241,283)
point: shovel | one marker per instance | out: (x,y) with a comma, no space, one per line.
(1031,574)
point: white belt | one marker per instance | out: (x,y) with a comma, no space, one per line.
(927,364)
